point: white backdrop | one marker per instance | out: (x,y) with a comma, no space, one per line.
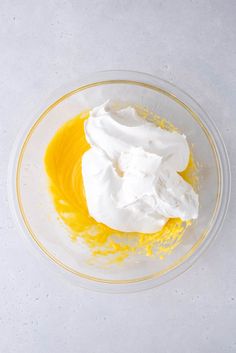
(43,45)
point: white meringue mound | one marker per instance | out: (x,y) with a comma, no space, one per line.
(130,173)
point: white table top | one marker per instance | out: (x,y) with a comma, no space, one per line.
(47,43)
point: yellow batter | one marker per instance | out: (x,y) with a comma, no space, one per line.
(63,166)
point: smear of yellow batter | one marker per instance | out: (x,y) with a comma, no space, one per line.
(63,166)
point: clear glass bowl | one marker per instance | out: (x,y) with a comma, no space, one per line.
(33,208)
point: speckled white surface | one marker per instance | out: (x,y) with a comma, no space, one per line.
(44,44)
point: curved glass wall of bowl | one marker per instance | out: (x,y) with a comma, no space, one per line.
(33,208)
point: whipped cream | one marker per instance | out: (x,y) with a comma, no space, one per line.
(130,173)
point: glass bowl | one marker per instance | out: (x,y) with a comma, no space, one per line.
(32,204)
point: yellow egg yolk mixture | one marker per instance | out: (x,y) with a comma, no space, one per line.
(63,166)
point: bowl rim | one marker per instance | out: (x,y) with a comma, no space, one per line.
(207,125)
